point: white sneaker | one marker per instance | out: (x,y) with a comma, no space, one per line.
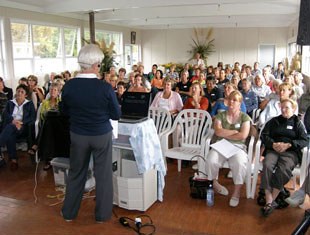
(234,201)
(297,198)
(220,189)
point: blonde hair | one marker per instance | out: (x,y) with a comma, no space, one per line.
(202,93)
(294,104)
(236,94)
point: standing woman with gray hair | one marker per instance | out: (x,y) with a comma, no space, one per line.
(90,104)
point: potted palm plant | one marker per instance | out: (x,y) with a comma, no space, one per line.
(202,43)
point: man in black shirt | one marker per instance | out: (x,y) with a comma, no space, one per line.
(183,87)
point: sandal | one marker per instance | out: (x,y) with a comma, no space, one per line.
(32,151)
(268,208)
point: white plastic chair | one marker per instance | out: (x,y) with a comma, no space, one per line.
(192,136)
(163,122)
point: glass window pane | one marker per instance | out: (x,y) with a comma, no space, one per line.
(46,41)
(21,40)
(22,68)
(47,65)
(72,64)
(70,36)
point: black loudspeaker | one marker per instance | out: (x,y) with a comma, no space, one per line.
(303,36)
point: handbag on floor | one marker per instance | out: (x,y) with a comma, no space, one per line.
(198,188)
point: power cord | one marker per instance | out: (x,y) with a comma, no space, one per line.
(138,226)
(36,182)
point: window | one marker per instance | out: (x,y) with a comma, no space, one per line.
(108,38)
(3,73)
(40,49)
(305,68)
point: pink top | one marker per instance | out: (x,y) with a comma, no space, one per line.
(174,102)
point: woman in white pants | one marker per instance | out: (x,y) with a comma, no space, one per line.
(234,126)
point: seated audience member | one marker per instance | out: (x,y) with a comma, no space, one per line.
(260,88)
(196,76)
(237,82)
(31,96)
(273,107)
(283,137)
(183,87)
(18,121)
(121,88)
(45,141)
(66,75)
(157,82)
(60,83)
(298,197)
(33,87)
(222,104)
(140,70)
(172,74)
(256,70)
(152,74)
(121,75)
(249,97)
(107,77)
(212,92)
(228,72)
(197,100)
(279,73)
(168,99)
(6,90)
(273,95)
(112,71)
(3,100)
(131,80)
(138,85)
(202,79)
(113,82)
(268,77)
(210,70)
(234,126)
(222,80)
(299,86)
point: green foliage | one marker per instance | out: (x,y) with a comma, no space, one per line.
(202,43)
(108,60)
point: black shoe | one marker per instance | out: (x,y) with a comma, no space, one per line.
(268,208)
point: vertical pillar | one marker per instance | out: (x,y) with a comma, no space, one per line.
(92,26)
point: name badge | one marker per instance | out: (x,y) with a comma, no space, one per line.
(247,98)
(212,94)
(237,125)
(289,127)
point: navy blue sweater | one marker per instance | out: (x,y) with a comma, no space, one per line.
(89,103)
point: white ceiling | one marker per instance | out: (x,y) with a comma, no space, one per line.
(162,14)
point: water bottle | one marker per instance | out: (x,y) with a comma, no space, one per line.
(210,195)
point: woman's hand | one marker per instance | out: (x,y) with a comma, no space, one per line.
(281,147)
(18,124)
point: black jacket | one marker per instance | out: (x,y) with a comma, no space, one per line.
(280,129)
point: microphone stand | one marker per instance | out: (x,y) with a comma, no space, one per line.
(302,228)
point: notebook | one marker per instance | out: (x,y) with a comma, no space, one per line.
(135,107)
